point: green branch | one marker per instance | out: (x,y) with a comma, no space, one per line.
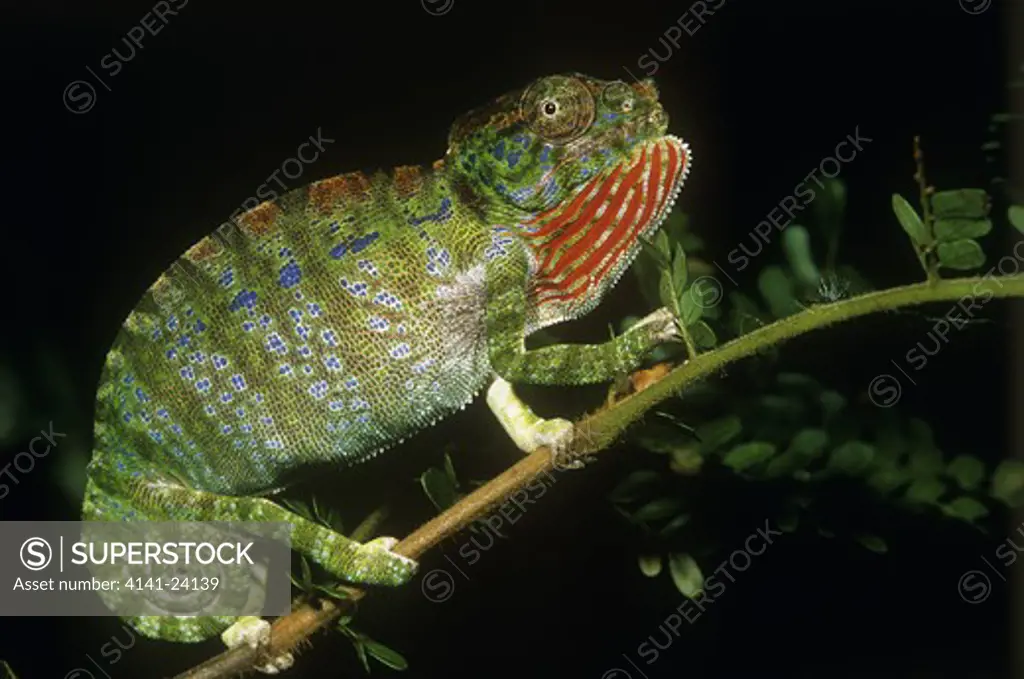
(603,427)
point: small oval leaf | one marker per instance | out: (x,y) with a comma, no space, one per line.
(650,564)
(910,221)
(961,255)
(655,510)
(957,229)
(965,508)
(747,455)
(686,575)
(967,471)
(1016,217)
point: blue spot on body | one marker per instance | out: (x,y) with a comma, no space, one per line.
(290,275)
(513,158)
(443,214)
(338,250)
(360,244)
(246,298)
(499,150)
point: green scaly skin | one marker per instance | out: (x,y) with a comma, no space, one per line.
(334,321)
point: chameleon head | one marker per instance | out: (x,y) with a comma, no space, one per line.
(582,167)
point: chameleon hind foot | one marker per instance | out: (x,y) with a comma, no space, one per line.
(255,632)
(528,430)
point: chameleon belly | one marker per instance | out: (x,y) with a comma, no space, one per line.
(323,326)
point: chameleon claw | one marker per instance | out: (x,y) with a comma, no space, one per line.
(558,435)
(255,632)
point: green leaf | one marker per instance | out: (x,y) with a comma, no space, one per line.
(967,471)
(663,245)
(1008,483)
(686,575)
(439,488)
(360,647)
(650,564)
(691,307)
(747,455)
(961,255)
(910,221)
(925,491)
(307,574)
(655,510)
(702,334)
(1016,216)
(832,402)
(652,251)
(873,542)
(808,443)
(386,656)
(957,229)
(686,461)
(634,486)
(666,289)
(674,525)
(960,203)
(717,433)
(8,672)
(965,508)
(796,242)
(449,470)
(887,479)
(853,457)
(679,275)
(777,290)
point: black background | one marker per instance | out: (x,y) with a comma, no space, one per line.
(98,203)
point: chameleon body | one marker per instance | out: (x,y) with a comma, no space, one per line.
(332,322)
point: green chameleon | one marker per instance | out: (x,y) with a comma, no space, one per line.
(331,323)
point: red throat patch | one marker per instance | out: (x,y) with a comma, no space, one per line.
(578,243)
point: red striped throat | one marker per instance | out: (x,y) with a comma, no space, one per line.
(584,245)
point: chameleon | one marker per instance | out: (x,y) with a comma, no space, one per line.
(332,322)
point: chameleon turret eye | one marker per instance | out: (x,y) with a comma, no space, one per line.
(559,108)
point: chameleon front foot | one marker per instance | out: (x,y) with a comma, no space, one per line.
(375,564)
(255,632)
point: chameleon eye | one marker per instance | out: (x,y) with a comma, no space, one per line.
(558,108)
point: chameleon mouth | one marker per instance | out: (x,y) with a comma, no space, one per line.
(587,241)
